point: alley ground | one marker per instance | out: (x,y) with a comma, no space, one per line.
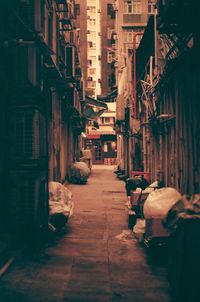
(96,260)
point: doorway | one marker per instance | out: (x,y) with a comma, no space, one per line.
(97,152)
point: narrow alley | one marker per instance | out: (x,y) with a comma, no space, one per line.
(97,259)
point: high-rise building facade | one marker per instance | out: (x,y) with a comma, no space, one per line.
(96,20)
(108,41)
(131,20)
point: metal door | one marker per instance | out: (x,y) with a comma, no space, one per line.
(97,152)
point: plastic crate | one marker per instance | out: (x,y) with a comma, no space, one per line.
(109,161)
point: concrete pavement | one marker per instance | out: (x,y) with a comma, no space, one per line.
(96,260)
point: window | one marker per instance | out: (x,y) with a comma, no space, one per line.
(110,147)
(110,57)
(110,11)
(77,10)
(91,45)
(106,120)
(89,62)
(92,21)
(109,33)
(91,84)
(92,9)
(132,7)
(92,71)
(128,37)
(92,35)
(151,7)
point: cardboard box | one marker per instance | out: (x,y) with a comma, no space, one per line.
(135,198)
(155,228)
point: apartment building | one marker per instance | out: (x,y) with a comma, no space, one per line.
(131,20)
(108,39)
(96,22)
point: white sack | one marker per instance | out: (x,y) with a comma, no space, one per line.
(79,172)
(60,199)
(139,227)
(159,202)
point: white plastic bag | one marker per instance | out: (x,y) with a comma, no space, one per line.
(139,229)
(79,173)
(159,202)
(60,199)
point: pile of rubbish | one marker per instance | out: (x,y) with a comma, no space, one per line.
(165,221)
(134,183)
(159,202)
(155,211)
(188,207)
(60,205)
(78,173)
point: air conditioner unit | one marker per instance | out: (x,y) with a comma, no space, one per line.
(70,61)
(28,200)
(27,134)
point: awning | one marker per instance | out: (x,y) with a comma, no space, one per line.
(89,112)
(88,106)
(108,97)
(97,132)
(93,102)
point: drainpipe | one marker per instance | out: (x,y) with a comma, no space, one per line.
(134,71)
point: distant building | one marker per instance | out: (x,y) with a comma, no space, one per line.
(131,20)
(97,20)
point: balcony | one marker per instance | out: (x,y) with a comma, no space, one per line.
(135,19)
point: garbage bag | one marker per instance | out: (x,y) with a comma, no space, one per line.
(139,229)
(78,173)
(187,207)
(60,199)
(136,182)
(159,202)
